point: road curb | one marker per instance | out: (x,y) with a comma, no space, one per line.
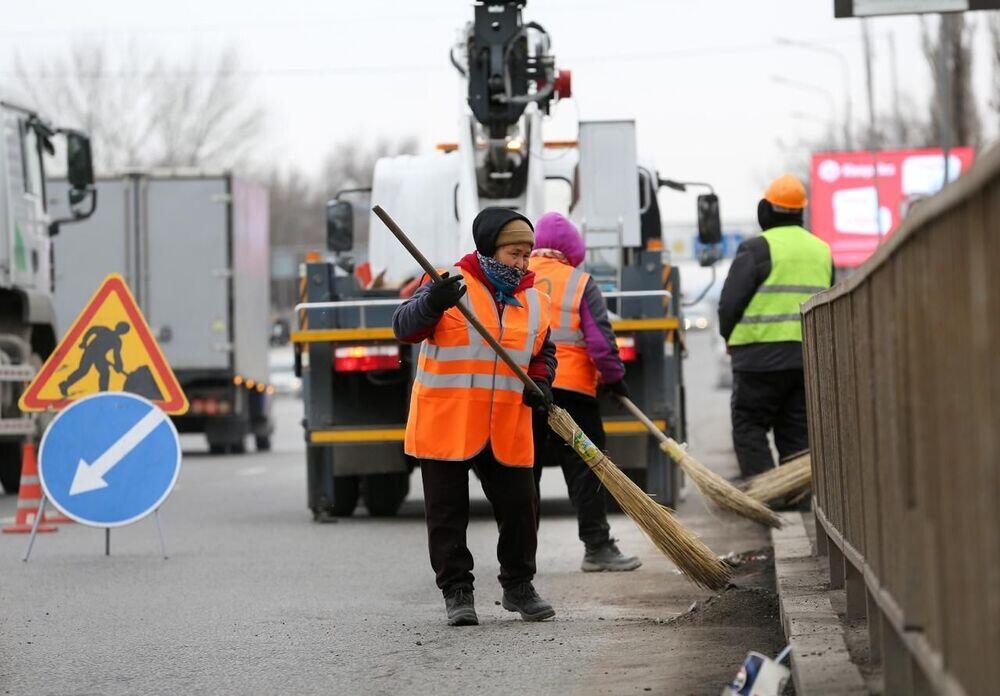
(820,661)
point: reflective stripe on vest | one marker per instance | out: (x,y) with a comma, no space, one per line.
(565,285)
(464,397)
(800,267)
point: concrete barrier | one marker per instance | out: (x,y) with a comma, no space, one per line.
(903,387)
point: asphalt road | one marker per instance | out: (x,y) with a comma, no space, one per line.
(257,599)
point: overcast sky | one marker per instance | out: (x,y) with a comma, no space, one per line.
(696,76)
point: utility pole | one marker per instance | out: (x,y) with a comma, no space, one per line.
(894,76)
(872,135)
(944,87)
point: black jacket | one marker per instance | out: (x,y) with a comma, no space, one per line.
(751,267)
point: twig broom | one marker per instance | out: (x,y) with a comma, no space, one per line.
(711,485)
(793,477)
(686,550)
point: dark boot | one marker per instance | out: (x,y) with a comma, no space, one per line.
(524,600)
(461,607)
(606,556)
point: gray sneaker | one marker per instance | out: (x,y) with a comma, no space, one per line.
(461,607)
(606,556)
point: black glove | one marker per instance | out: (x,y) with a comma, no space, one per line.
(445,293)
(539,402)
(618,388)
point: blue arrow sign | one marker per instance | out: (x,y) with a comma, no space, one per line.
(109,459)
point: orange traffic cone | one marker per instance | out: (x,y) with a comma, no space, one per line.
(29,497)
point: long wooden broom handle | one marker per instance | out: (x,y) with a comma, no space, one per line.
(644,419)
(435,276)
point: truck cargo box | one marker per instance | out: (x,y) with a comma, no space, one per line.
(194,250)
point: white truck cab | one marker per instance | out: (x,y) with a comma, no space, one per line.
(27,317)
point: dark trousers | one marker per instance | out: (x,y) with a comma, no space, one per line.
(510,490)
(764,401)
(585,489)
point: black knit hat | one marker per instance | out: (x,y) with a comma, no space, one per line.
(768,217)
(487,224)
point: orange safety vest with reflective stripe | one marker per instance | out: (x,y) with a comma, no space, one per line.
(464,397)
(565,285)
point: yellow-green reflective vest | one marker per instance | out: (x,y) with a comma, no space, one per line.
(800,267)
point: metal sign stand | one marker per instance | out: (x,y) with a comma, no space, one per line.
(107,532)
(34,526)
(159,532)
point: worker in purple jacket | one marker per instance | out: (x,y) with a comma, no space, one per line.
(588,361)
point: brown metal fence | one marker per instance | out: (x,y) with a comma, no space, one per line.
(903,381)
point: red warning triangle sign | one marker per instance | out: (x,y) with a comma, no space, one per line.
(108,348)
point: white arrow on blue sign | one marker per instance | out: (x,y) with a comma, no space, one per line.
(109,459)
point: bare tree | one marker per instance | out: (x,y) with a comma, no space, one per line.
(351,163)
(955,39)
(298,216)
(143,111)
(298,203)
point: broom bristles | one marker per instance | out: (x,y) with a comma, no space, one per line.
(795,476)
(718,489)
(681,546)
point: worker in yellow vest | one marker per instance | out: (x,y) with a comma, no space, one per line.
(588,359)
(469,411)
(770,277)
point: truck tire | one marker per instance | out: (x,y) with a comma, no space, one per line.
(385,493)
(10,466)
(346,491)
(262,443)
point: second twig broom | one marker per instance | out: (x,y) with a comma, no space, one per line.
(791,478)
(711,485)
(685,549)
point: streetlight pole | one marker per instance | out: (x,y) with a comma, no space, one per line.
(807,87)
(846,72)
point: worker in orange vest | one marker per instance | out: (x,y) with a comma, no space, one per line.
(469,410)
(588,359)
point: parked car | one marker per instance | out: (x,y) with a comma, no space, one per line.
(281,365)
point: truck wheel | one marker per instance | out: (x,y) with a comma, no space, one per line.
(10,466)
(385,493)
(262,443)
(345,495)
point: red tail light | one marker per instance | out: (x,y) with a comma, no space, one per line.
(626,348)
(366,358)
(210,406)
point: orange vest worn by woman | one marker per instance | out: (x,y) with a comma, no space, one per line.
(564,285)
(464,396)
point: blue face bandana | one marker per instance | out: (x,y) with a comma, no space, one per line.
(504,278)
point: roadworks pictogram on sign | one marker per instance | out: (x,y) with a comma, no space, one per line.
(109,348)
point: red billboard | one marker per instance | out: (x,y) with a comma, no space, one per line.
(846,188)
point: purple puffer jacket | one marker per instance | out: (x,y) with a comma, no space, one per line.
(555,232)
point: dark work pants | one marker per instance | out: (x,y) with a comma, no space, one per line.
(511,492)
(764,401)
(585,490)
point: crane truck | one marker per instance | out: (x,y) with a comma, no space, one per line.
(27,314)
(357,377)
